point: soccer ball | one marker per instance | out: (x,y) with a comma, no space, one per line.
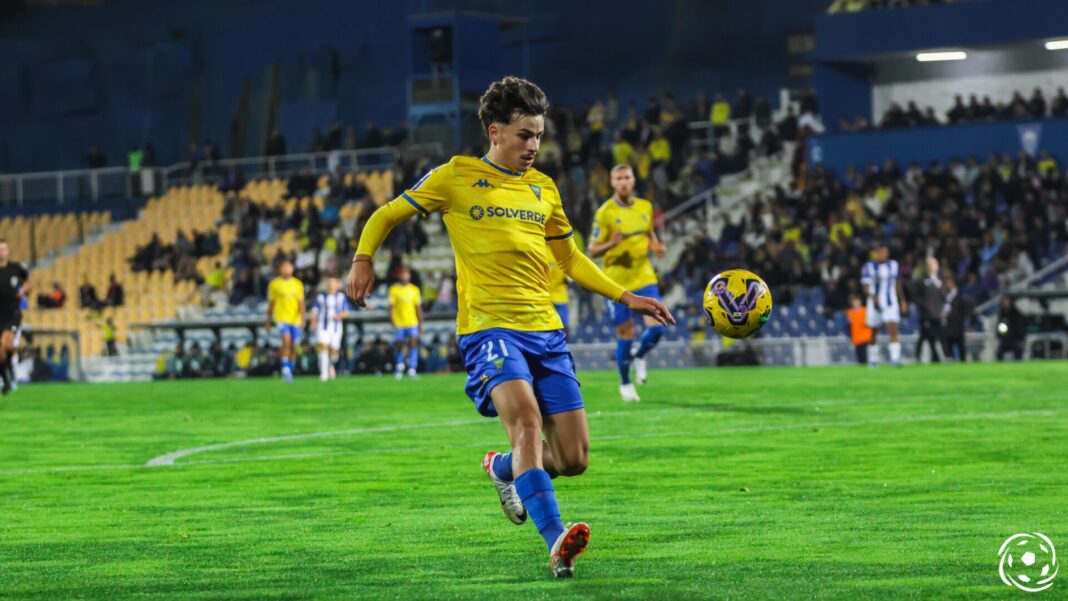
(737,303)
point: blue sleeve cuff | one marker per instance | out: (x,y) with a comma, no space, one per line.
(419,207)
(561,236)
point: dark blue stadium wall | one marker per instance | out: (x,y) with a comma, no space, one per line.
(838,151)
(136,71)
(862,35)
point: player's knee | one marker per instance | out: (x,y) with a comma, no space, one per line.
(625,331)
(575,465)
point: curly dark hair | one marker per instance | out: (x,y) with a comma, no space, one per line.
(510,98)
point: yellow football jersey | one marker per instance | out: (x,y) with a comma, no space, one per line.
(498,221)
(286,295)
(403,300)
(557,279)
(628,262)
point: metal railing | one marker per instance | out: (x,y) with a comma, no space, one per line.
(1051,269)
(66,186)
(75,185)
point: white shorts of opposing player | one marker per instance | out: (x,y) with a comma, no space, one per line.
(876,317)
(331,339)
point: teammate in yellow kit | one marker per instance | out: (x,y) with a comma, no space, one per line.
(285,309)
(558,290)
(499,213)
(406,313)
(623,232)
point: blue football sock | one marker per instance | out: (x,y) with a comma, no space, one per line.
(398,360)
(536,491)
(650,337)
(413,358)
(287,365)
(623,359)
(502,466)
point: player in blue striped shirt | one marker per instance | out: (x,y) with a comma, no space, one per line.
(328,312)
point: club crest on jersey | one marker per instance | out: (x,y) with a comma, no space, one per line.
(482,183)
(536,190)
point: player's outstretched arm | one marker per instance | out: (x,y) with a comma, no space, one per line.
(656,246)
(361,280)
(583,270)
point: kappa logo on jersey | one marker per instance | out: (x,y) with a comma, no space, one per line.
(478,212)
(482,184)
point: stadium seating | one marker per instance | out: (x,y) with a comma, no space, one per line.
(149,296)
(43,235)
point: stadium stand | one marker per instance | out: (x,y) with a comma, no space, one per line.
(149,295)
(40,236)
(853,6)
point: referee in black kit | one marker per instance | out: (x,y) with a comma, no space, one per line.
(928,298)
(14,286)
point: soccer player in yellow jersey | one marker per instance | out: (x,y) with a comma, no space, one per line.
(499,213)
(285,309)
(558,290)
(406,312)
(623,232)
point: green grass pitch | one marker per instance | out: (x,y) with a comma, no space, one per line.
(841,483)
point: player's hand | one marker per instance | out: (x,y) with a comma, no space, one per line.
(643,305)
(617,237)
(658,249)
(267,326)
(904,308)
(361,281)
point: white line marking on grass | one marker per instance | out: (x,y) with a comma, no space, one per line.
(598,439)
(170,458)
(618,437)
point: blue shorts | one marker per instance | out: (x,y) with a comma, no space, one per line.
(562,310)
(402,334)
(621,314)
(498,355)
(289,328)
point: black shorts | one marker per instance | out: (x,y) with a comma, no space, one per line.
(10,322)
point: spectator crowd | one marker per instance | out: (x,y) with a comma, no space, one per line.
(973,111)
(854,6)
(990,223)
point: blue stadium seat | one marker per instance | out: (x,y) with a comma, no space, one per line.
(817,296)
(830,328)
(813,328)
